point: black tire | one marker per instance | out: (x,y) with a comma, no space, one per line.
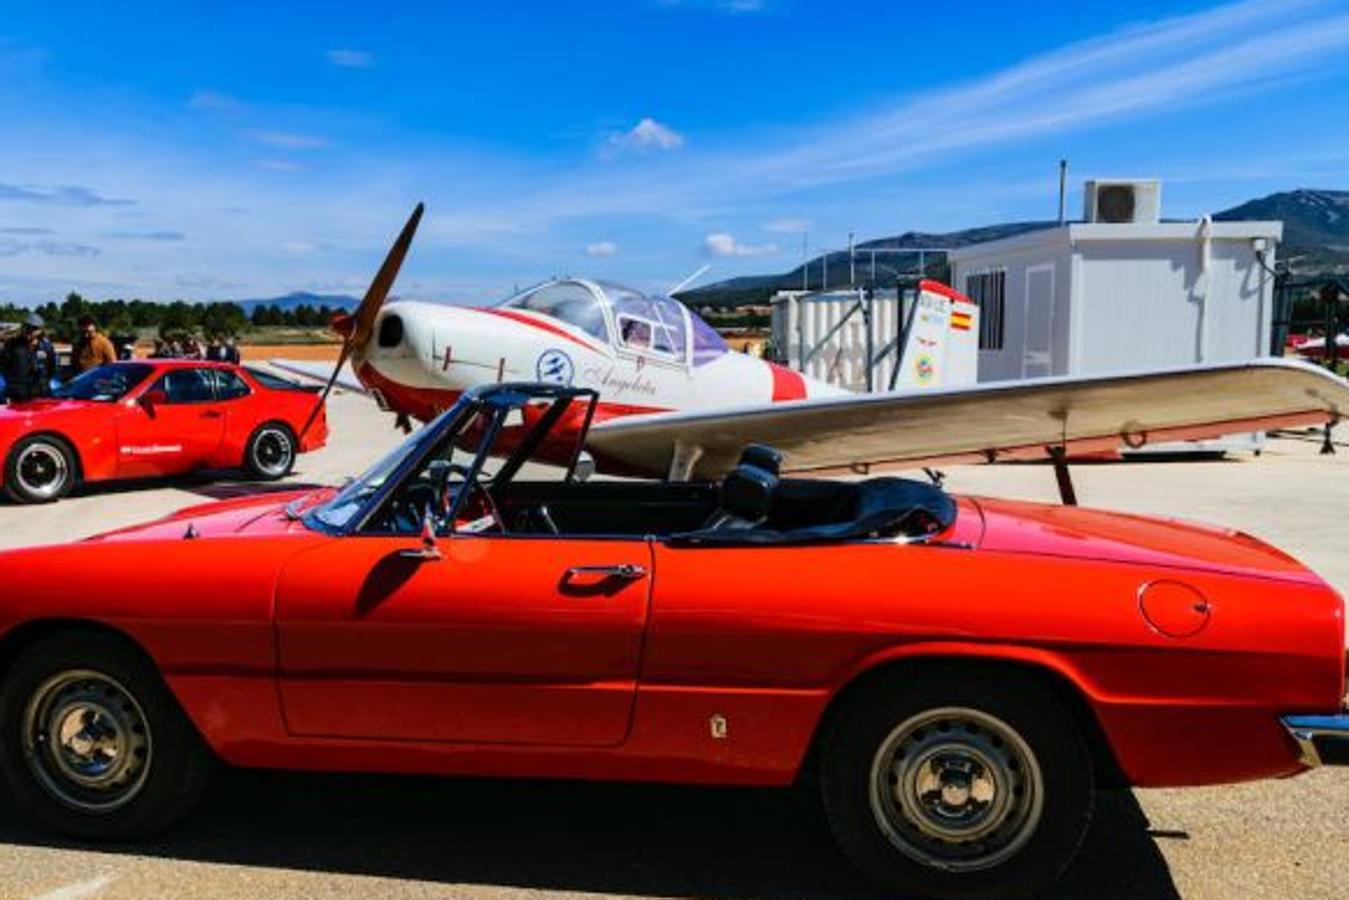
(270,451)
(96,683)
(922,737)
(40,469)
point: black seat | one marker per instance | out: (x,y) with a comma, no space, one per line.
(764,457)
(745,498)
(757,508)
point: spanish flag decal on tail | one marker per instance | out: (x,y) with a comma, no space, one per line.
(960,320)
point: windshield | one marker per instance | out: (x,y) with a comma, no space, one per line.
(566,301)
(337,512)
(105,384)
(424,477)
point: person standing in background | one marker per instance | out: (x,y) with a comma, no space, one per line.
(44,353)
(92,348)
(20,366)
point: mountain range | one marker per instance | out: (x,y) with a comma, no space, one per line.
(289,302)
(1315,240)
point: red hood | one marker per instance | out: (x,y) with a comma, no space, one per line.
(19,413)
(253,514)
(1119,537)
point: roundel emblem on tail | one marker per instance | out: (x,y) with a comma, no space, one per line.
(554,367)
(925,368)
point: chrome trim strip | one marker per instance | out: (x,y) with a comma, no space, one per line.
(1304,730)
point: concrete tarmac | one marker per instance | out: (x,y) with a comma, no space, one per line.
(273,835)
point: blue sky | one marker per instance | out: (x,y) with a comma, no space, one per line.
(207,150)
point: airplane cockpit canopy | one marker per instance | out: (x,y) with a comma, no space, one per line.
(625,318)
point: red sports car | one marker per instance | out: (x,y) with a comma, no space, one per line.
(955,675)
(155,417)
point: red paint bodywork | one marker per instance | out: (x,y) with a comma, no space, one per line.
(294,649)
(208,435)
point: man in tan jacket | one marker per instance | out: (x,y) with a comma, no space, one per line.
(92,348)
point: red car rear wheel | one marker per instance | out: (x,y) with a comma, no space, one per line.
(270,453)
(959,783)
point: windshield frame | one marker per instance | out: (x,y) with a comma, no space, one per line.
(498,400)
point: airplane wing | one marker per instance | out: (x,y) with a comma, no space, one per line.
(1007,420)
(320,372)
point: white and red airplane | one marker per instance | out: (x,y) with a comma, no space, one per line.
(675,400)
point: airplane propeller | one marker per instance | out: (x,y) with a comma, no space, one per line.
(357,327)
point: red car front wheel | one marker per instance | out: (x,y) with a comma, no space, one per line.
(93,743)
(40,469)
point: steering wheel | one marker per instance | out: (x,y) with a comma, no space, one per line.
(472,484)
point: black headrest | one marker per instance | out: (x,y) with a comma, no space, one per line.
(746,492)
(763,457)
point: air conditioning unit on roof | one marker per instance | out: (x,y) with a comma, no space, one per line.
(1122,201)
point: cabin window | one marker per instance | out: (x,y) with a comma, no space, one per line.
(568,302)
(654,324)
(989,290)
(707,344)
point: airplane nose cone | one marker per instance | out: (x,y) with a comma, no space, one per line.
(398,345)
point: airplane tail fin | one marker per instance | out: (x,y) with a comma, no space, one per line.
(941,340)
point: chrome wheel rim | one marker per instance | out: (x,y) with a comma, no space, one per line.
(956,789)
(272,452)
(41,470)
(87,741)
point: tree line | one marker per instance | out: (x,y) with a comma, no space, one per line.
(173,321)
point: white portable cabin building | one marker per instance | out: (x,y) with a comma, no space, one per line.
(1095,297)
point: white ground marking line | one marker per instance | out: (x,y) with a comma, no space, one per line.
(80,889)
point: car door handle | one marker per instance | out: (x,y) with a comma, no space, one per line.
(624,571)
(211,414)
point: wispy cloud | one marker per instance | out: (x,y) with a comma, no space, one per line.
(787,226)
(280,165)
(26,231)
(730,7)
(162,235)
(213,101)
(1164,67)
(602,248)
(61,195)
(285,140)
(301,248)
(719,243)
(46,248)
(351,59)
(648,134)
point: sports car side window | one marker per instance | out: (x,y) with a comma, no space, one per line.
(229,386)
(188,386)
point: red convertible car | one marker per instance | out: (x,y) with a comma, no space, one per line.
(954,675)
(151,418)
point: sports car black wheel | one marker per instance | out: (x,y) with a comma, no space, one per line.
(959,785)
(93,743)
(270,453)
(40,469)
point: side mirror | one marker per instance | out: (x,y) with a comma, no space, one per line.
(428,551)
(152,398)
